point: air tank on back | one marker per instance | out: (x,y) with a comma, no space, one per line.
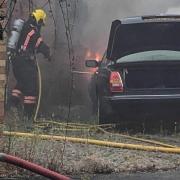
(15,34)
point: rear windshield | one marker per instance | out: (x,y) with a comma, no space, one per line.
(156,55)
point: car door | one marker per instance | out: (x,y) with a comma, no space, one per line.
(103,77)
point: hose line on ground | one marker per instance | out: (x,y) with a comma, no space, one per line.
(101,128)
(74,125)
(32,167)
(95,142)
(139,139)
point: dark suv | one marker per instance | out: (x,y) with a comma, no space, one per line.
(139,75)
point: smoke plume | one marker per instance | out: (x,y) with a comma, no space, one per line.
(102,12)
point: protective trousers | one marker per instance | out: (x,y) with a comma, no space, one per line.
(25,72)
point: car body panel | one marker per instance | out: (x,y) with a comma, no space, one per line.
(152,97)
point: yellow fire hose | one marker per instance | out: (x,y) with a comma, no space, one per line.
(88,127)
(140,139)
(64,128)
(74,124)
(40,91)
(95,142)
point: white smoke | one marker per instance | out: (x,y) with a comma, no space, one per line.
(102,12)
(175,10)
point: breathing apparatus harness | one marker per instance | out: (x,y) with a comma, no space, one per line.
(38,17)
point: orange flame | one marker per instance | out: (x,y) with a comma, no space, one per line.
(98,56)
(93,55)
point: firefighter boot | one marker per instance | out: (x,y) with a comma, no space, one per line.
(14,113)
(14,101)
(28,124)
(28,117)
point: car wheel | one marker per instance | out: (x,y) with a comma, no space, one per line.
(103,116)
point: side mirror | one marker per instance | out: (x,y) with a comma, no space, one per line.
(91,63)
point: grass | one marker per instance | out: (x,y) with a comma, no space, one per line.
(81,159)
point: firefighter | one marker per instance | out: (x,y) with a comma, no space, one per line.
(24,65)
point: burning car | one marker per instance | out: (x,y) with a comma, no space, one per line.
(139,74)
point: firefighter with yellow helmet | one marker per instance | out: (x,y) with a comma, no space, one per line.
(26,42)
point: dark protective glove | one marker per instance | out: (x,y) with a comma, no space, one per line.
(45,50)
(10,55)
(49,58)
(47,54)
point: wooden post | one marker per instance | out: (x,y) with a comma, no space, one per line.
(2,63)
(2,78)
(3,10)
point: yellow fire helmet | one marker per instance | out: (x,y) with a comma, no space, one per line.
(39,15)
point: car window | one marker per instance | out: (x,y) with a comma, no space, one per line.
(151,55)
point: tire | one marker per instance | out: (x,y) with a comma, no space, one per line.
(102,109)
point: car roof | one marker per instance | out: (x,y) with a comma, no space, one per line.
(150,18)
